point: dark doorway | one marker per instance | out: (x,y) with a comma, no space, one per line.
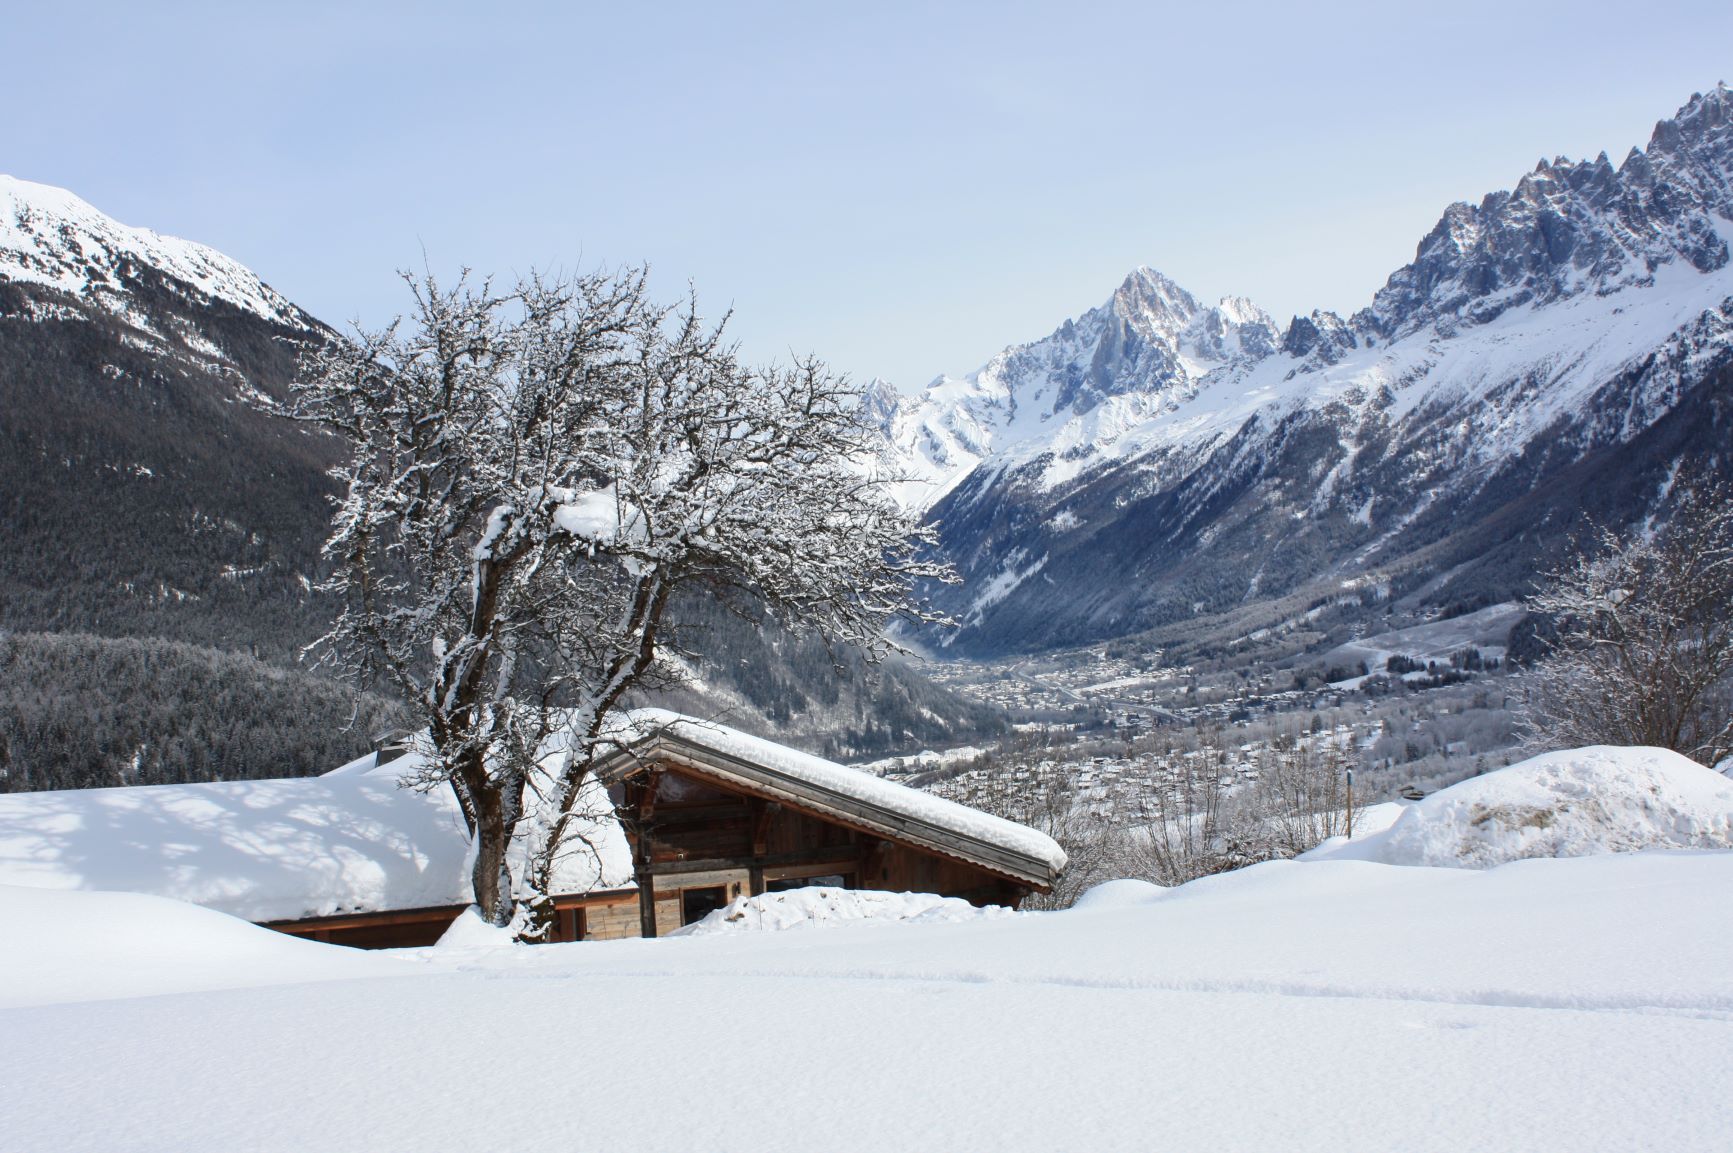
(696,904)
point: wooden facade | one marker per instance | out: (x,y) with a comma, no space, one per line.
(705,843)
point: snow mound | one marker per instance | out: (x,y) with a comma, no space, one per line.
(72,946)
(1575,803)
(472,933)
(820,907)
(1119,894)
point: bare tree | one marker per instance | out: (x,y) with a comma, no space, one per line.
(535,475)
(1192,826)
(1302,791)
(1643,651)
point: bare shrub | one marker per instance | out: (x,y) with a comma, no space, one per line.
(1197,807)
(1198,827)
(1301,796)
(1643,648)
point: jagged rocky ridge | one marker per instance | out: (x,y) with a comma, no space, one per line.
(1555,352)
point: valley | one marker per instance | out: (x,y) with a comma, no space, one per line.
(1411,711)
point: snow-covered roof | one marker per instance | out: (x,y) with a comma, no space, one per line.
(355,841)
(894,810)
(351,841)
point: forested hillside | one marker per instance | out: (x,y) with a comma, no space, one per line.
(80,711)
(142,492)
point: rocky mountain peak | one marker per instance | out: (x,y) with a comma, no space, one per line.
(1323,337)
(1706,121)
(1150,300)
(879,404)
(1147,346)
(1151,336)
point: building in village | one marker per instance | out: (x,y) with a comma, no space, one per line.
(706,812)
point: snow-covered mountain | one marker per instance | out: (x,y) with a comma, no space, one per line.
(1074,396)
(52,238)
(144,493)
(1156,460)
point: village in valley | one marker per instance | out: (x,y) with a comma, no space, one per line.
(1102,722)
(589,661)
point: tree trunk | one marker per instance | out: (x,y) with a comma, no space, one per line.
(491,877)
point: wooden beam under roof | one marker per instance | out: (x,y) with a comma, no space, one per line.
(825,855)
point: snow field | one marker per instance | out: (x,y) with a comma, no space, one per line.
(1063,1068)
(1569,1004)
(1337,1002)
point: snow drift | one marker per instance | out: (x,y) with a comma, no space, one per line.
(1575,803)
(1344,1006)
(818,907)
(72,946)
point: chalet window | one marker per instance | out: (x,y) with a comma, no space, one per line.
(696,904)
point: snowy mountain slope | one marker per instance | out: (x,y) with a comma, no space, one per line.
(50,237)
(1552,325)
(131,457)
(1573,228)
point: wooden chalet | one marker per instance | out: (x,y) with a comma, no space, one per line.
(704,812)
(712,814)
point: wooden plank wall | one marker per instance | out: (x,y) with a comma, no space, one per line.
(613,920)
(901,869)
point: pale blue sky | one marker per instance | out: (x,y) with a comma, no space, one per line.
(903,189)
